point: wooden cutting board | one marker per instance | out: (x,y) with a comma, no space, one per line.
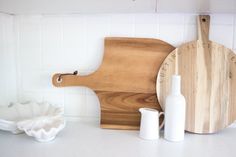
(208,73)
(125,81)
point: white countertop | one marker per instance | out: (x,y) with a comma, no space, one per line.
(86,139)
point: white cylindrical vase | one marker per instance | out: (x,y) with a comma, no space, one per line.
(175,108)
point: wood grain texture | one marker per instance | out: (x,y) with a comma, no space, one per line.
(208,73)
(125,81)
(121,108)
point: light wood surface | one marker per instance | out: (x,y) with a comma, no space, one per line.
(125,81)
(208,73)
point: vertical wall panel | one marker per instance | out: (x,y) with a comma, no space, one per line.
(7,61)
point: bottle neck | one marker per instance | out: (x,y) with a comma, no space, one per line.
(176,85)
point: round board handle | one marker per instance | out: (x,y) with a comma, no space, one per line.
(203,28)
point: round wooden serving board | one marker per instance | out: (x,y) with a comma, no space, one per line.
(208,81)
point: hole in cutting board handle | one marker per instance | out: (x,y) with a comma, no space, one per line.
(203,20)
(59,79)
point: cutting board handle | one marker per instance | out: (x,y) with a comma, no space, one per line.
(203,28)
(72,79)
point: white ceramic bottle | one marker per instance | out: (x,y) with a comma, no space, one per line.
(175,107)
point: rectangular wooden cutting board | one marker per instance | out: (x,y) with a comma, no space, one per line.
(125,81)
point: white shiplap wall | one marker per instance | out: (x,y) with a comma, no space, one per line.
(8,91)
(45,44)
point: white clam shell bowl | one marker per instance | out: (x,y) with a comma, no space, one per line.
(43,121)
(44,128)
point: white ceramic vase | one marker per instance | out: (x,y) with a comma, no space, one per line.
(175,107)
